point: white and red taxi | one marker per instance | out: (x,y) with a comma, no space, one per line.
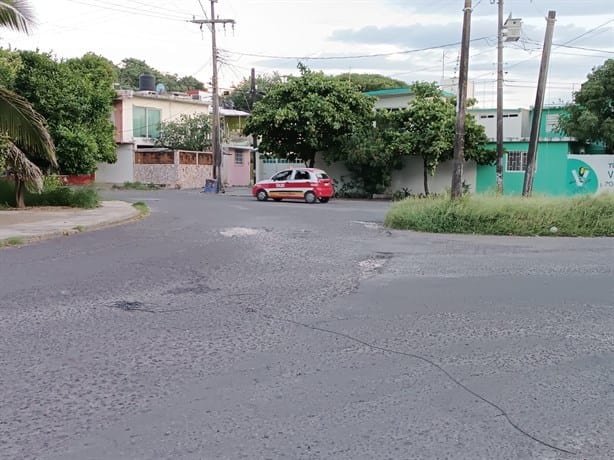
(307,184)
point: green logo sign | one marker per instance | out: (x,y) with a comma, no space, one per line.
(581,178)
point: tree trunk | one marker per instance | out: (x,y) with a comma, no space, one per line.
(20,193)
(312,161)
(426,178)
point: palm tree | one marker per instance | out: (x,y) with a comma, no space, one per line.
(22,130)
(16,15)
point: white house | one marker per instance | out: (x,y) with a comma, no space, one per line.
(516,122)
(137,116)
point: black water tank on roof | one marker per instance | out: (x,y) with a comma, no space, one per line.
(147,82)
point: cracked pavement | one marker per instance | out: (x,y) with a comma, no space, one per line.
(201,333)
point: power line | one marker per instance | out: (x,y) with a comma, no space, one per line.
(583,48)
(129,10)
(555,46)
(159,8)
(360,56)
(588,32)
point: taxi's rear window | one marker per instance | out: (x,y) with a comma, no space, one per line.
(322,175)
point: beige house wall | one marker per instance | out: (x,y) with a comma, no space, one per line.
(171,107)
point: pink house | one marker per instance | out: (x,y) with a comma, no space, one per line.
(236,165)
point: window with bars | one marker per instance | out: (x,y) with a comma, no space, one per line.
(516,161)
(238,158)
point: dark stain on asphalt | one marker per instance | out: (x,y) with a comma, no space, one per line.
(130,305)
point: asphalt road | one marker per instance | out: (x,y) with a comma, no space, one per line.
(224,328)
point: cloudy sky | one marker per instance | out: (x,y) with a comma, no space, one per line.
(405,39)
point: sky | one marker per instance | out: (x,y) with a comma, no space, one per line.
(409,40)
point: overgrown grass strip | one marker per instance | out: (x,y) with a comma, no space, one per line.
(490,215)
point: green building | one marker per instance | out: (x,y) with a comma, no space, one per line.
(563,166)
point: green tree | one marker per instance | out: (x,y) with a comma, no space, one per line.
(426,128)
(130,69)
(76,98)
(9,66)
(369,156)
(308,114)
(590,117)
(241,95)
(371,82)
(189,132)
(23,132)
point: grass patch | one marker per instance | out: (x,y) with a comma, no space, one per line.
(142,207)
(135,186)
(491,215)
(12,241)
(79,228)
(52,195)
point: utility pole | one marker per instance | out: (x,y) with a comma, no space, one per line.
(499,167)
(529,175)
(253,92)
(459,140)
(215,132)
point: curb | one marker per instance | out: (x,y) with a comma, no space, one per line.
(135,216)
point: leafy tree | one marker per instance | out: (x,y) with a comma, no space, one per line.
(371,82)
(186,83)
(241,96)
(369,156)
(426,128)
(190,132)
(23,132)
(9,66)
(76,98)
(308,114)
(130,69)
(590,118)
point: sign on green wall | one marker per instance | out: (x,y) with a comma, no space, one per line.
(587,174)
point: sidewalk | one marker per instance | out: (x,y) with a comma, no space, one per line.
(39,223)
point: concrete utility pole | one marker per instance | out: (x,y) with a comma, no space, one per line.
(529,175)
(459,140)
(215,134)
(253,92)
(499,167)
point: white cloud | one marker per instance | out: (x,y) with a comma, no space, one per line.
(157,31)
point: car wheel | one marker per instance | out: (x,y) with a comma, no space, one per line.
(262,195)
(276,199)
(324,199)
(310,197)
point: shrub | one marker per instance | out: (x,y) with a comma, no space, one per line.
(135,186)
(53,194)
(581,216)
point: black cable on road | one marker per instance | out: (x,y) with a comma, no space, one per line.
(431,363)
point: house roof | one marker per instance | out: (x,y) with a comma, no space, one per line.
(397,91)
(233,113)
(389,92)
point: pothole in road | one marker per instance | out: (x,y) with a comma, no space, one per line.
(375,264)
(240,231)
